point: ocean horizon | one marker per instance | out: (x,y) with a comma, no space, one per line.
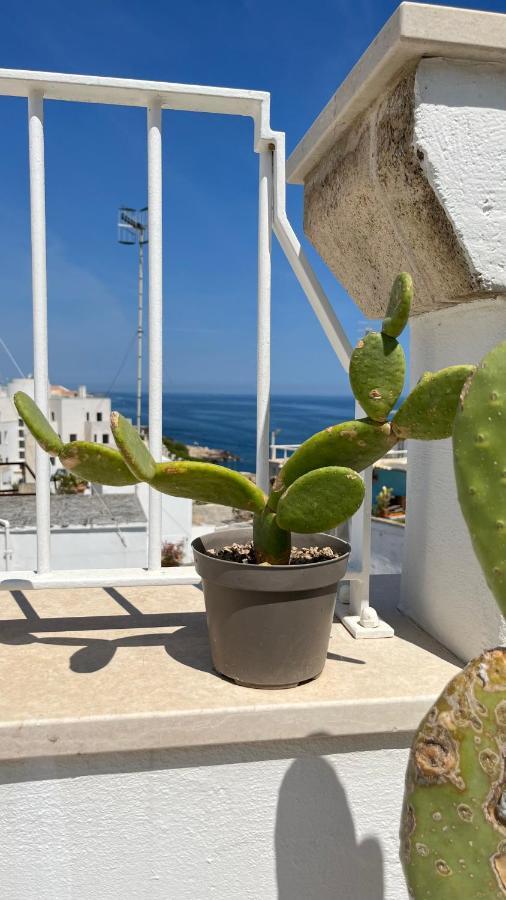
(228,421)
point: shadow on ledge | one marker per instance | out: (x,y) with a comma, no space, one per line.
(188,645)
(318,856)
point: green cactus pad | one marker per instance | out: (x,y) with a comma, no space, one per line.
(272,543)
(96,462)
(377,372)
(209,483)
(479,452)
(453,832)
(355,445)
(428,412)
(37,423)
(132,448)
(397,314)
(320,500)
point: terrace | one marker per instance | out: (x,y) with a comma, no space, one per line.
(115,733)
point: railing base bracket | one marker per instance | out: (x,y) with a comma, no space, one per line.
(352,624)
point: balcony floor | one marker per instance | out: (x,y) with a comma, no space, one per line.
(97,670)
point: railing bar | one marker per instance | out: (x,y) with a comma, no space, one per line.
(264,317)
(361,542)
(39,297)
(155,322)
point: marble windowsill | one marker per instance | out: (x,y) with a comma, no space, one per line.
(100,670)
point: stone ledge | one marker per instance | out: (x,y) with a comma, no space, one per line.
(94,671)
(414,30)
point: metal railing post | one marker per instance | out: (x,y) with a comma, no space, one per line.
(264,317)
(155,321)
(39,295)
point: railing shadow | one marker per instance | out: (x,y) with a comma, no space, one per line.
(318,856)
(188,644)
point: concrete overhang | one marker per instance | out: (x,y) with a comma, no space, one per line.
(414,31)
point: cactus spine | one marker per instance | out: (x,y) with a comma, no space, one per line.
(453,832)
(318,487)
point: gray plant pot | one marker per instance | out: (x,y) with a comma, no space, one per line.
(269,626)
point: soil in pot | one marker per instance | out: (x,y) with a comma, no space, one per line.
(245,553)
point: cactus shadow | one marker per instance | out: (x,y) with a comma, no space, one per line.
(188,643)
(318,855)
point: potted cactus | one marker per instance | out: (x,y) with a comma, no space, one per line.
(453,832)
(269,620)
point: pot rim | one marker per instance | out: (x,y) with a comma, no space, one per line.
(252,567)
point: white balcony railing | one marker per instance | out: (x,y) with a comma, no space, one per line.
(40,87)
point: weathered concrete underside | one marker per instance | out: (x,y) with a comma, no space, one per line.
(370,211)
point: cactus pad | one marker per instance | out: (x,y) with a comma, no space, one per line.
(479,452)
(355,445)
(320,500)
(37,423)
(95,462)
(377,372)
(429,411)
(209,483)
(397,314)
(132,448)
(453,833)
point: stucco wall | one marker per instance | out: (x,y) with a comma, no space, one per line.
(460,136)
(312,820)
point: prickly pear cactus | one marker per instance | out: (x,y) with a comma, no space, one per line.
(132,448)
(377,372)
(453,834)
(356,445)
(397,314)
(42,431)
(479,453)
(429,411)
(320,500)
(93,462)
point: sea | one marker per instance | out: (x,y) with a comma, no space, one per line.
(228,421)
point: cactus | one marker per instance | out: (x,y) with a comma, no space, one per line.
(453,831)
(92,462)
(320,500)
(397,314)
(319,486)
(199,481)
(377,371)
(356,445)
(429,411)
(42,431)
(480,466)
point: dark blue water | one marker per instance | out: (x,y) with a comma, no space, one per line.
(228,421)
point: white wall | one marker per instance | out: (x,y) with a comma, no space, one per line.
(264,822)
(460,133)
(81,548)
(443,588)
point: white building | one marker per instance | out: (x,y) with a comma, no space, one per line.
(74,415)
(109,540)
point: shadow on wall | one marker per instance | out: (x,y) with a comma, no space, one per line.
(317,853)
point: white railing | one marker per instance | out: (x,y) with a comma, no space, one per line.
(39,87)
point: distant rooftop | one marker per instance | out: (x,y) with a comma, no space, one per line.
(75,509)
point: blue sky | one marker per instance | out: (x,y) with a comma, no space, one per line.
(96,161)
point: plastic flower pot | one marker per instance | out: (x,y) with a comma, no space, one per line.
(269,626)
